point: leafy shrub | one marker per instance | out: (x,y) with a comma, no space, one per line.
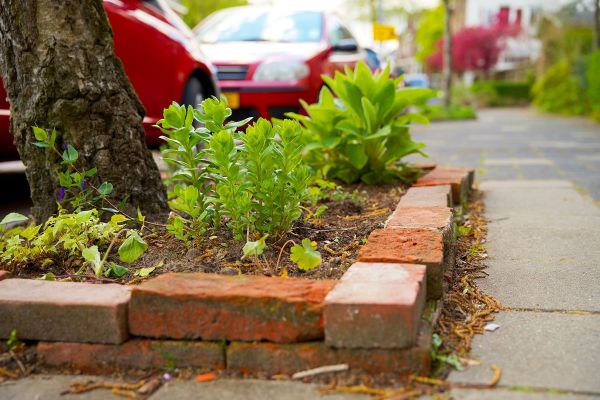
(454,112)
(557,91)
(359,128)
(501,93)
(80,234)
(593,81)
(255,186)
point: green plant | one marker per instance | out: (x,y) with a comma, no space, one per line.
(80,234)
(76,190)
(593,81)
(253,181)
(501,93)
(359,128)
(557,91)
(305,255)
(454,112)
(437,356)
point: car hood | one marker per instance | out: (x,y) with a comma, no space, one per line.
(255,52)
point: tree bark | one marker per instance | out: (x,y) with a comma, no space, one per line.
(60,71)
(447,69)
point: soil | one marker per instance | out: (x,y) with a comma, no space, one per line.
(339,234)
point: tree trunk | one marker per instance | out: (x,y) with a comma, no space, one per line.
(447,71)
(60,71)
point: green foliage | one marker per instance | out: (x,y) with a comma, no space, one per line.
(13,218)
(438,357)
(557,91)
(253,181)
(200,9)
(255,248)
(80,234)
(454,112)
(359,128)
(306,255)
(430,31)
(75,189)
(501,93)
(593,81)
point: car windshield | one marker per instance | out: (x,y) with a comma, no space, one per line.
(248,24)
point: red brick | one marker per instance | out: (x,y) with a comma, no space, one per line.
(275,359)
(4,275)
(461,180)
(427,166)
(410,246)
(427,196)
(134,354)
(64,311)
(217,307)
(434,218)
(375,305)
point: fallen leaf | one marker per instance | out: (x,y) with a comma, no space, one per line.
(206,377)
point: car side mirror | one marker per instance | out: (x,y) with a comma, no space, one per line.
(346,45)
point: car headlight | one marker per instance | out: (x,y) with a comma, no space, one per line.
(281,71)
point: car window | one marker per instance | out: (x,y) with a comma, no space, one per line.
(248,24)
(338,32)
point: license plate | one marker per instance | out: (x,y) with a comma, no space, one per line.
(233,99)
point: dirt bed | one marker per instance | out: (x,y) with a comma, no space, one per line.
(339,232)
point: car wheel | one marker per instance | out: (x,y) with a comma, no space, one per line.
(193,94)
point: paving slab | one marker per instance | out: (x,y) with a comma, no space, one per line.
(544,350)
(50,387)
(247,390)
(537,263)
(560,202)
(516,394)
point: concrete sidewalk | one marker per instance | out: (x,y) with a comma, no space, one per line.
(541,179)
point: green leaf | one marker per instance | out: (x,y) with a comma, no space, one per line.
(255,248)
(47,277)
(13,217)
(118,218)
(105,189)
(132,248)
(356,155)
(92,255)
(144,272)
(40,134)
(306,256)
(115,271)
(70,155)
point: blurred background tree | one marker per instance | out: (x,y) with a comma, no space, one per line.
(200,9)
(430,32)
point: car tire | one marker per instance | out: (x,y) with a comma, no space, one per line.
(194,93)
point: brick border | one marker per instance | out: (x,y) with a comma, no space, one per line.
(375,318)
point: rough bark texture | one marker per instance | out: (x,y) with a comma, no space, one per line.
(447,72)
(60,71)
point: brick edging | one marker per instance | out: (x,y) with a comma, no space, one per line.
(375,312)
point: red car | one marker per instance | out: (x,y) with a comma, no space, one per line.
(161,59)
(267,59)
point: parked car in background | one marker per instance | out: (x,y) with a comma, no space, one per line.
(416,80)
(267,59)
(373,60)
(161,59)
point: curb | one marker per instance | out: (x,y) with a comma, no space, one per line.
(375,318)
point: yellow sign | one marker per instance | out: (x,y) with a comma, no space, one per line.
(382,32)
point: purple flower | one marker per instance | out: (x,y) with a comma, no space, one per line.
(82,186)
(167,377)
(65,145)
(61,193)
